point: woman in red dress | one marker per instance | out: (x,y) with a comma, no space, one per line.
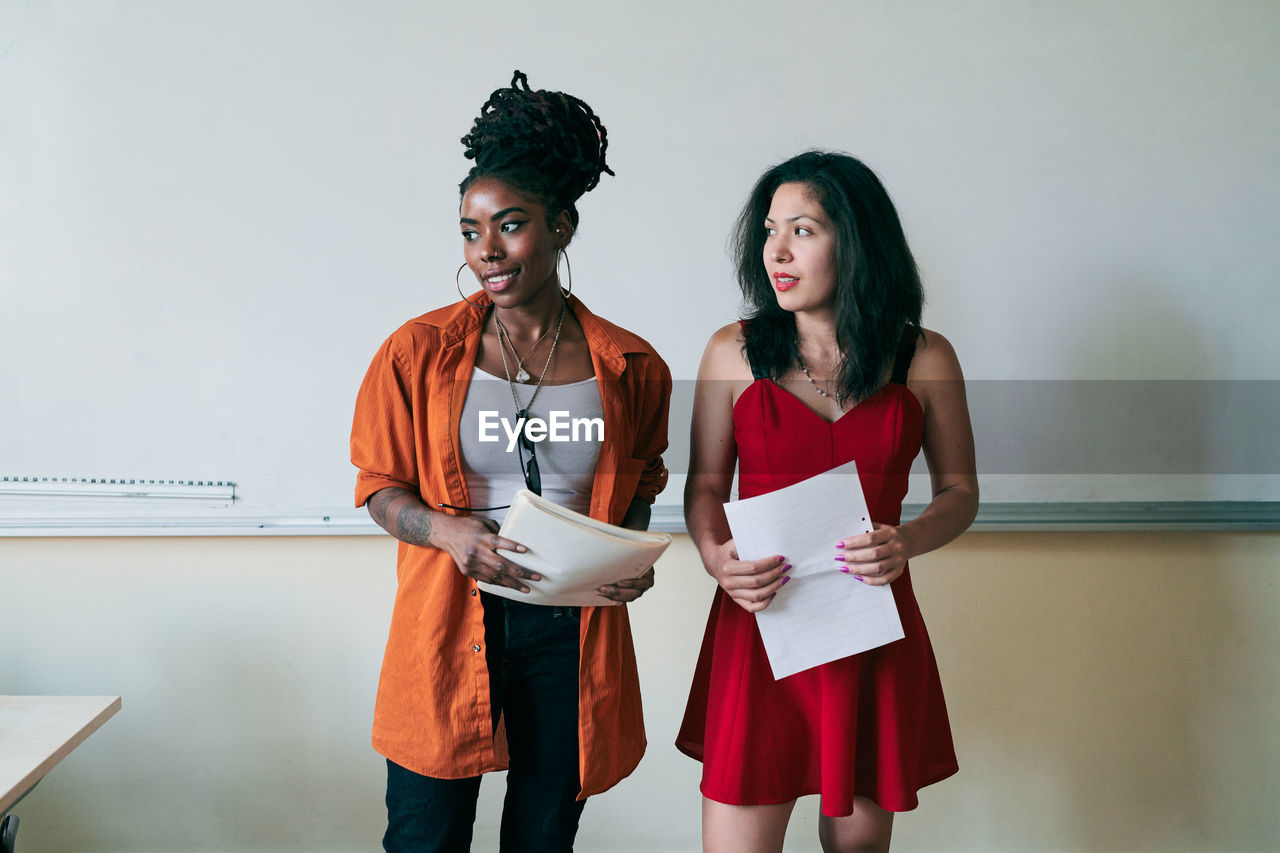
(831,366)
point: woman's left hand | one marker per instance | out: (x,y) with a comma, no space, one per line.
(628,589)
(876,558)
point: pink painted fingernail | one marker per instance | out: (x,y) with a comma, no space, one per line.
(784,581)
(840,557)
(860,578)
(786,568)
(839,544)
(844,569)
(782,559)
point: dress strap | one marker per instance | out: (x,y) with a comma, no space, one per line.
(756,372)
(906,351)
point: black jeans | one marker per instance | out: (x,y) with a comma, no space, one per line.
(532,653)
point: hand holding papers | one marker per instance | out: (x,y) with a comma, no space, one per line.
(825,614)
(574,553)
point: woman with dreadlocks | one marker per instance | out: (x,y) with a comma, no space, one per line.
(831,366)
(473,682)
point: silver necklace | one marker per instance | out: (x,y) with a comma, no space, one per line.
(506,368)
(504,336)
(805,370)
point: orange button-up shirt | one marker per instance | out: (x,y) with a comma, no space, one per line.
(432,713)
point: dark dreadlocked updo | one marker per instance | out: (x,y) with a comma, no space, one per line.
(546,144)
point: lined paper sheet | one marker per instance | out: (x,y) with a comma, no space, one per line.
(823,614)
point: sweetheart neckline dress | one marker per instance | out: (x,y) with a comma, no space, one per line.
(873,724)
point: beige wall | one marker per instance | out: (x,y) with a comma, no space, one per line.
(1107,692)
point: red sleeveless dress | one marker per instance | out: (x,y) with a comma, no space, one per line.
(872,725)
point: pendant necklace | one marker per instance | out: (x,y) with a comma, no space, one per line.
(506,368)
(504,337)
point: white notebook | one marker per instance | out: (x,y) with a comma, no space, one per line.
(573,552)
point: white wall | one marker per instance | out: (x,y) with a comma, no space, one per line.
(211,214)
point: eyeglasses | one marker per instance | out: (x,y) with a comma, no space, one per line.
(529,469)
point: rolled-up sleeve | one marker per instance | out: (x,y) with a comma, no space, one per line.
(382,431)
(651,429)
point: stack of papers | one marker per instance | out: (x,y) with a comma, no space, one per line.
(574,553)
(822,614)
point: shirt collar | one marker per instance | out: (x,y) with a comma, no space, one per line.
(463,318)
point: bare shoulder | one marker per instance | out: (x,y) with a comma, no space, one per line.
(724,357)
(934,359)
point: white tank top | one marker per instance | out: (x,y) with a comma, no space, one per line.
(573,416)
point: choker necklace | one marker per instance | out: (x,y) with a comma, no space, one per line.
(506,368)
(504,336)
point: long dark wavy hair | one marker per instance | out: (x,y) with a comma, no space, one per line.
(878,292)
(548,145)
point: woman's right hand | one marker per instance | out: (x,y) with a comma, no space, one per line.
(473,544)
(750,583)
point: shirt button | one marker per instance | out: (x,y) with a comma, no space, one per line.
(476,647)
(473,592)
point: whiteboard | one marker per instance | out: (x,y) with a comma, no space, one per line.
(211,215)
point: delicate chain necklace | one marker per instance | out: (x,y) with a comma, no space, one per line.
(506,368)
(805,370)
(504,336)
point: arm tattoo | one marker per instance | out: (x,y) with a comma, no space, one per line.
(401,514)
(413,524)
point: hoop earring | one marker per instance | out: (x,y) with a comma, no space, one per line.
(458,284)
(568,268)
